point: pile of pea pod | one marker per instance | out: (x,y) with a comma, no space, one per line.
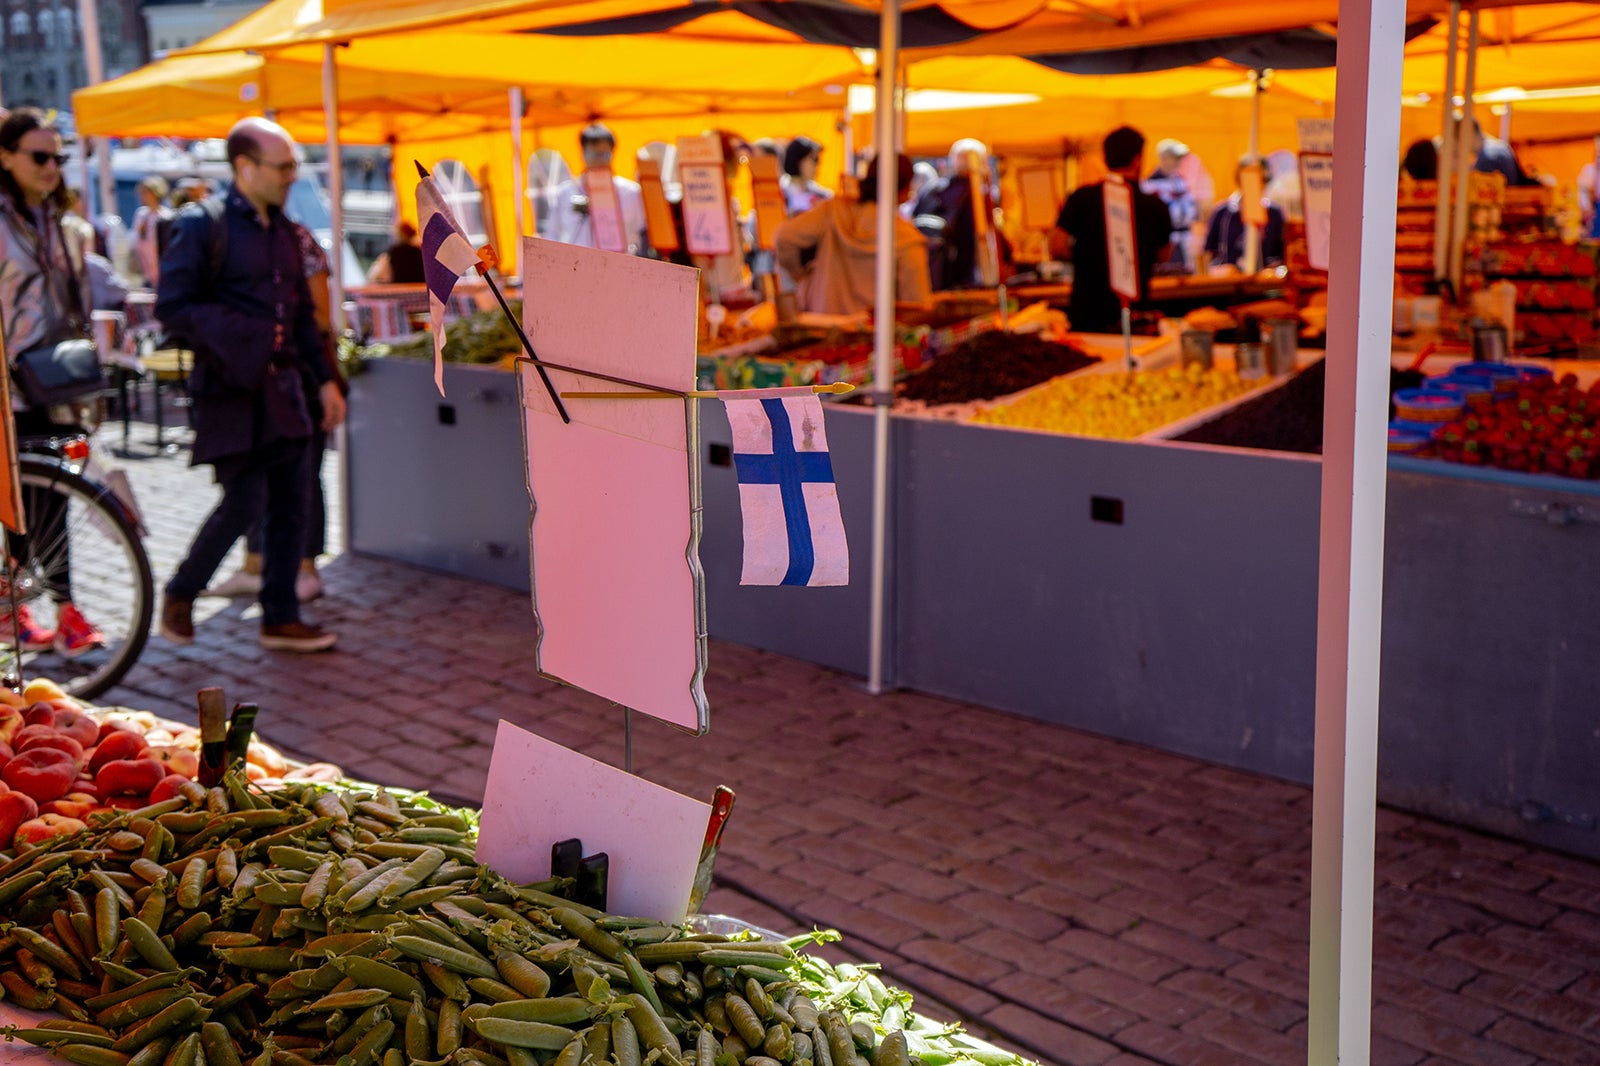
(313,925)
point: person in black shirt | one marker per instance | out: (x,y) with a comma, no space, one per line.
(1080,234)
(401,262)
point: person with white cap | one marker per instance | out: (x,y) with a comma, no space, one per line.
(1170,186)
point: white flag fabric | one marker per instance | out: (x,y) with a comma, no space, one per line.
(793,532)
(446,255)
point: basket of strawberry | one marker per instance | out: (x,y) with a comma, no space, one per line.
(1543,427)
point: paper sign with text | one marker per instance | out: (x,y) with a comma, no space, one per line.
(605,210)
(1036,188)
(707,220)
(1316,135)
(768,189)
(1122,255)
(539,793)
(1252,186)
(618,592)
(1316,199)
(663,231)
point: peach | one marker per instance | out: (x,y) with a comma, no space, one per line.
(79,726)
(45,827)
(72,805)
(15,808)
(6,752)
(120,725)
(43,773)
(256,774)
(130,777)
(41,689)
(268,758)
(11,699)
(177,760)
(11,720)
(168,787)
(39,714)
(27,739)
(119,745)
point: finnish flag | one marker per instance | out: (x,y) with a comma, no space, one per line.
(446,255)
(793,533)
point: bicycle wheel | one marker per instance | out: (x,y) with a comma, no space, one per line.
(83,547)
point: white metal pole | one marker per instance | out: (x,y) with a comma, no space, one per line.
(330,108)
(1350,568)
(883,337)
(1465,161)
(1505,121)
(94,67)
(1252,234)
(1447,150)
(519,177)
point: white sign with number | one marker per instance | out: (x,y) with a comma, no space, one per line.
(605,210)
(1122,256)
(1316,134)
(1316,199)
(707,220)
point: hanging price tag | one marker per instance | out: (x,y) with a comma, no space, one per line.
(707,222)
(1122,256)
(1316,198)
(605,211)
(770,207)
(1041,206)
(657,211)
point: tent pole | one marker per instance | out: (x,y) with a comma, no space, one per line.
(1252,234)
(1464,159)
(94,67)
(883,338)
(1447,151)
(1350,558)
(519,177)
(847,130)
(330,108)
(1505,121)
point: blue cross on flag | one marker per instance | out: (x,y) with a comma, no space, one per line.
(446,255)
(793,533)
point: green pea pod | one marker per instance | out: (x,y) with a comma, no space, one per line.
(371,1044)
(555,1010)
(587,933)
(165,1021)
(512,1033)
(90,1055)
(746,1022)
(139,1007)
(419,1040)
(218,1045)
(148,944)
(186,1052)
(522,974)
(370,973)
(48,951)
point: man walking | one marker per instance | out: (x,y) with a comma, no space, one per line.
(232,285)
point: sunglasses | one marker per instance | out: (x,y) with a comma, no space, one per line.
(282,168)
(42,158)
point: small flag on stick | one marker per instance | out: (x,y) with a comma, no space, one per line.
(793,532)
(446,255)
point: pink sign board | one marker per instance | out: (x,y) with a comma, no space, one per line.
(605,211)
(618,593)
(539,793)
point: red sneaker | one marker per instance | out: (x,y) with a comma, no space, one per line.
(74,633)
(26,630)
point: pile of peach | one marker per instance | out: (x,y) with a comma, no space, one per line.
(59,763)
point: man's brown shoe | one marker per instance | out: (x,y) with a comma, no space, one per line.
(177,620)
(297,636)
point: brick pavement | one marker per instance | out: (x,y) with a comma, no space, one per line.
(1078,899)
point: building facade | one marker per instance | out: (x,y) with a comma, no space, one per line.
(41,60)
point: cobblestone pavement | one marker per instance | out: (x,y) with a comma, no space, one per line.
(1078,899)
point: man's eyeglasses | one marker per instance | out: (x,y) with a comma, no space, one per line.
(282,168)
(42,158)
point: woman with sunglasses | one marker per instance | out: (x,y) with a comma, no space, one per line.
(45,296)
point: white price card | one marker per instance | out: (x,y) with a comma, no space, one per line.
(1316,199)
(707,220)
(605,210)
(539,793)
(1041,206)
(1122,255)
(1316,135)
(618,591)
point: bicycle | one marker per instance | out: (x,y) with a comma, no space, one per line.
(98,545)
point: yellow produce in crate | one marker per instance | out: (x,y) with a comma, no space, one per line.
(1117,406)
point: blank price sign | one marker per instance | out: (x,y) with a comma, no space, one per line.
(1122,254)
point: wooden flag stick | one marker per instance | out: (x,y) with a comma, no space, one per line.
(487,253)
